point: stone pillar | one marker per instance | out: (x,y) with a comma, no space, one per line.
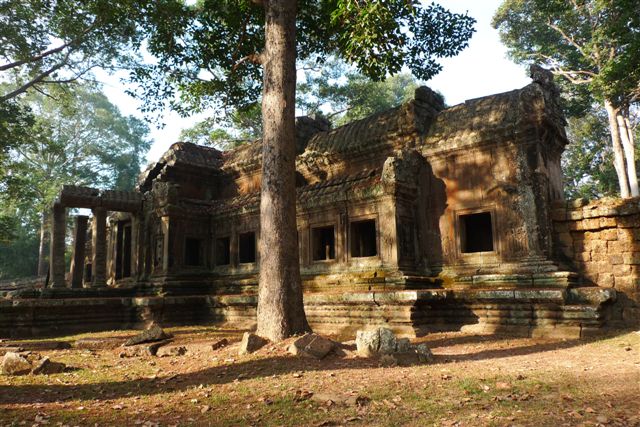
(56,254)
(166,247)
(77,259)
(99,243)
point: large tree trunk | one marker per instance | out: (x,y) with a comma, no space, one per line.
(626,138)
(280,308)
(43,260)
(618,153)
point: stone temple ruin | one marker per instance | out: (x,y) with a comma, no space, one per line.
(419,218)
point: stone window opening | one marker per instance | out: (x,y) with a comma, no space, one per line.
(123,250)
(323,243)
(192,251)
(223,251)
(363,239)
(247,247)
(87,272)
(476,233)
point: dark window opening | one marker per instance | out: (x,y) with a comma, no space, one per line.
(247,246)
(87,273)
(126,252)
(476,231)
(192,251)
(363,238)
(123,250)
(323,244)
(223,251)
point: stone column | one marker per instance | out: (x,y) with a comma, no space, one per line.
(99,243)
(77,259)
(56,254)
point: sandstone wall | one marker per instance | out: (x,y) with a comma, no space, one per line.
(601,241)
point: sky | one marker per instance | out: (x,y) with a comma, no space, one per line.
(481,69)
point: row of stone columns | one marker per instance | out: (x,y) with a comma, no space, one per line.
(99,245)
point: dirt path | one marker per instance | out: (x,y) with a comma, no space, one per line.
(474,381)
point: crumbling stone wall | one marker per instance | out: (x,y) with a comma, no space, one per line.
(601,240)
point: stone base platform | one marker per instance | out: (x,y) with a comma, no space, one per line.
(536,312)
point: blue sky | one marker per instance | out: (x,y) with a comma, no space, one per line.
(481,69)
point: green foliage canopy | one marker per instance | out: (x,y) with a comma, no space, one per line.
(209,53)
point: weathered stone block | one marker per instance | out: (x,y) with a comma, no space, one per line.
(311,345)
(615,259)
(608,222)
(15,364)
(623,283)
(591,224)
(599,255)
(575,215)
(616,247)
(609,234)
(141,350)
(46,367)
(631,257)
(151,334)
(368,342)
(605,280)
(250,343)
(625,235)
(171,350)
(619,269)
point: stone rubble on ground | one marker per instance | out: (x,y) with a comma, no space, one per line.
(250,343)
(311,345)
(383,342)
(34,363)
(46,367)
(15,364)
(142,350)
(152,334)
(171,350)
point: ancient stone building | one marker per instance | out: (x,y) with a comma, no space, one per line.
(419,218)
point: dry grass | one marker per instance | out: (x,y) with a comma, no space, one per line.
(474,381)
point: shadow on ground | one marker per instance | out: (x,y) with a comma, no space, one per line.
(255,368)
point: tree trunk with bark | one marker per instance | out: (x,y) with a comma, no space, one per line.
(626,137)
(618,151)
(43,261)
(280,306)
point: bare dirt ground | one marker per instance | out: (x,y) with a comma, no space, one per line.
(473,381)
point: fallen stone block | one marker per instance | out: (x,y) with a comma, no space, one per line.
(424,353)
(311,345)
(368,342)
(46,367)
(171,350)
(15,364)
(142,350)
(388,342)
(152,334)
(219,344)
(392,351)
(250,343)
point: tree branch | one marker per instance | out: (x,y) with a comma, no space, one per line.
(37,79)
(254,58)
(570,40)
(46,53)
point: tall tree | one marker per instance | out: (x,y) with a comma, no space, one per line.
(77,137)
(341,93)
(591,43)
(216,52)
(45,43)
